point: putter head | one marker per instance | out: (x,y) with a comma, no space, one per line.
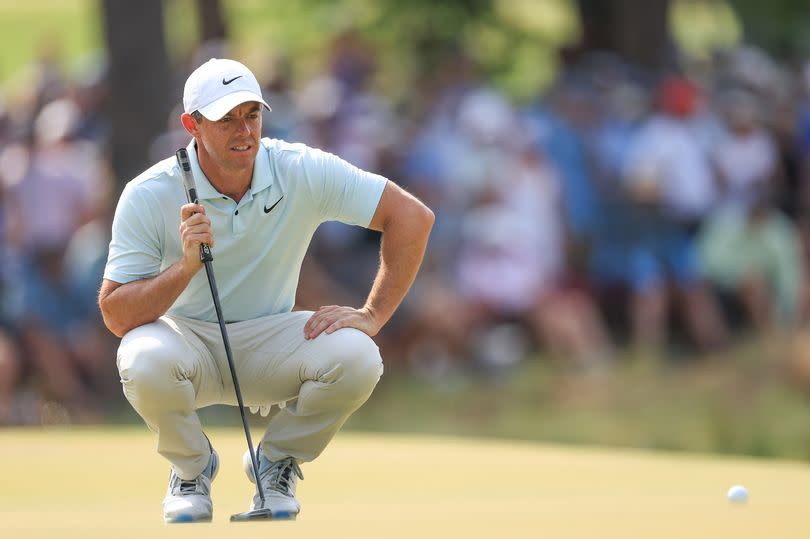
(262,514)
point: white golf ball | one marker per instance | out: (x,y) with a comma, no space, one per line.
(737,494)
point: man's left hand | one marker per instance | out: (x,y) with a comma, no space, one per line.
(333,317)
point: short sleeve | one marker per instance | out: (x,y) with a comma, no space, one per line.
(343,192)
(135,248)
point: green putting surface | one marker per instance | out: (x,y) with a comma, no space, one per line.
(109,482)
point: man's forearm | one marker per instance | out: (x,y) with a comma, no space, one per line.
(140,302)
(401,254)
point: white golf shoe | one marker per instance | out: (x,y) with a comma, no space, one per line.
(278,480)
(190,500)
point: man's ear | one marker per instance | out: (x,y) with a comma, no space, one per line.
(189,123)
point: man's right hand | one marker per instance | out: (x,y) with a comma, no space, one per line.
(195,229)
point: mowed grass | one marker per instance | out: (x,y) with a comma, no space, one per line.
(109,483)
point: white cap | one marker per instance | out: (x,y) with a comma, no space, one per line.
(219,85)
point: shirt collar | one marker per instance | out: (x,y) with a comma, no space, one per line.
(262,175)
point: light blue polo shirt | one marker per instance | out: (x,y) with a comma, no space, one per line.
(259,243)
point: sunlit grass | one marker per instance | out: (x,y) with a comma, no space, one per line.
(109,482)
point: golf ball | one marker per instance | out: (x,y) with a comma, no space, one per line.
(737,494)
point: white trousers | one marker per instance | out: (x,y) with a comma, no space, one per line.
(173,366)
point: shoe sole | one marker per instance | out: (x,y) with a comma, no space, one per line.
(185,519)
(263,514)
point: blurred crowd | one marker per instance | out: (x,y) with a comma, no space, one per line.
(621,210)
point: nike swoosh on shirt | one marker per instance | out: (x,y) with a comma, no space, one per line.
(268,210)
(230,81)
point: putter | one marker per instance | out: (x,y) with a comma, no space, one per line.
(207,258)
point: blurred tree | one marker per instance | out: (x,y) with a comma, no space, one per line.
(637,30)
(139,81)
(212,20)
(778,26)
(434,28)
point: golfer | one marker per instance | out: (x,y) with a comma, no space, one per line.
(260,201)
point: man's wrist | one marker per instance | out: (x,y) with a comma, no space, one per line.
(372,314)
(189,268)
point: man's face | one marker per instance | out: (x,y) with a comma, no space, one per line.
(231,142)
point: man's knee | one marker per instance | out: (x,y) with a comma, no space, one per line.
(149,368)
(360,361)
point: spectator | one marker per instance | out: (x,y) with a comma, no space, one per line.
(512,264)
(668,178)
(10,375)
(753,255)
(60,336)
(746,158)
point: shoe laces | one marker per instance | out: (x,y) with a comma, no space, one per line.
(185,487)
(279,476)
(188,487)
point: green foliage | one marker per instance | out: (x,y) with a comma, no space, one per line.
(513,42)
(700,28)
(778,26)
(67,30)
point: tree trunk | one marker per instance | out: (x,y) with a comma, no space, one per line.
(637,30)
(212,21)
(139,82)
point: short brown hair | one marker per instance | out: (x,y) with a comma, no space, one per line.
(197,115)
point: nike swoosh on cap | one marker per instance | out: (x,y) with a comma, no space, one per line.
(268,210)
(230,81)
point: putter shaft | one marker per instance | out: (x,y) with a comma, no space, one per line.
(207,258)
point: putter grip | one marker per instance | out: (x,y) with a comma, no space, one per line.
(191,194)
